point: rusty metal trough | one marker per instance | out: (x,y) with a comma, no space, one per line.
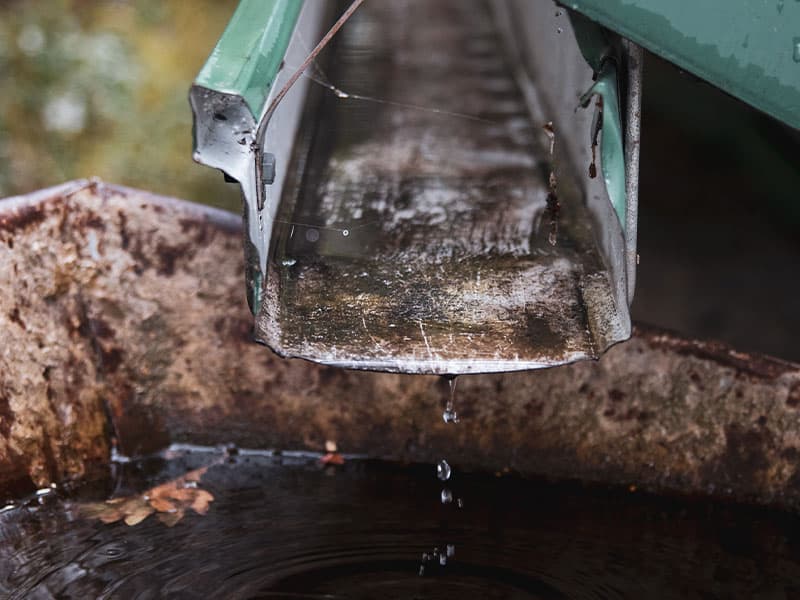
(123,321)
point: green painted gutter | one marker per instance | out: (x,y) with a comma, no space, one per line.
(749,48)
(248,55)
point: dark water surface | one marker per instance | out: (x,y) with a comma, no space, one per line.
(290,527)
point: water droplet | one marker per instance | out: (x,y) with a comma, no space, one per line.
(312,235)
(340,93)
(450,416)
(796,52)
(443,470)
(421,570)
(559,30)
(780,6)
(442,559)
(447,496)
(289,262)
(451,550)
(460,503)
(345,232)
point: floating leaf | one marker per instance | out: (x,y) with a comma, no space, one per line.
(169,501)
(332,458)
(201,502)
(138,515)
(170,519)
(162,505)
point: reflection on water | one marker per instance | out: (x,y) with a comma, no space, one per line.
(290,527)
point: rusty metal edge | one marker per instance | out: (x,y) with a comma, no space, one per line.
(228,221)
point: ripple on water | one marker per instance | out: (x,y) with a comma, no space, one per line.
(292,528)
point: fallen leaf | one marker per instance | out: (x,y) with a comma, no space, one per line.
(201,502)
(162,504)
(169,501)
(332,458)
(170,519)
(138,515)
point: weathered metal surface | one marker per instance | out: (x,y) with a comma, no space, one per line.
(95,281)
(423,228)
(541,42)
(749,48)
(121,314)
(252,62)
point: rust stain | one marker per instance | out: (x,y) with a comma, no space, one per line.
(752,365)
(7,417)
(170,254)
(14,317)
(23,218)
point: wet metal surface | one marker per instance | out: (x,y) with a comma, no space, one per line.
(287,527)
(413,234)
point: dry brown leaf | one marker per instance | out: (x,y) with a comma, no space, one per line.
(138,515)
(162,504)
(182,495)
(169,519)
(169,501)
(332,458)
(201,502)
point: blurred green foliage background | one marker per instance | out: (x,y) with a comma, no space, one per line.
(99,88)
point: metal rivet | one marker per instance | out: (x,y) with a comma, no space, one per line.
(268,168)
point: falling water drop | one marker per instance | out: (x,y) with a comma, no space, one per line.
(447,496)
(345,232)
(450,415)
(443,470)
(796,51)
(450,550)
